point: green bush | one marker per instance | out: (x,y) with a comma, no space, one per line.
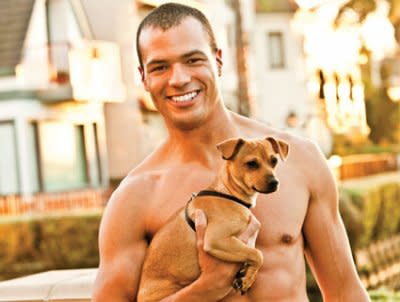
(384,295)
(370,208)
(37,243)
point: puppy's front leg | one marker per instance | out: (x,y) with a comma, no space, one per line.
(232,249)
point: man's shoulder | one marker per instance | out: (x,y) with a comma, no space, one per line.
(253,129)
(141,181)
(150,169)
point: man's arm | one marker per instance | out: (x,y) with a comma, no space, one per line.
(122,250)
(326,242)
(122,244)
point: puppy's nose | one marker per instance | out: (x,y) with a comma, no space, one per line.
(272,184)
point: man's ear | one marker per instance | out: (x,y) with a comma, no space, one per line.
(229,148)
(279,146)
(142,77)
(220,63)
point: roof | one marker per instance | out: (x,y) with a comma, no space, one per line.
(275,6)
(14,21)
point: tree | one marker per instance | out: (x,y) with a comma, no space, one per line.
(242,58)
(382,113)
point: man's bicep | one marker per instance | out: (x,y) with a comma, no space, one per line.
(118,276)
(122,247)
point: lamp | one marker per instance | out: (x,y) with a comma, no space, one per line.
(391,77)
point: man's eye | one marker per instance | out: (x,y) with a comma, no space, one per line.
(193,60)
(252,164)
(274,161)
(159,68)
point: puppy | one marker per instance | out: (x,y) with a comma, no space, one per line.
(171,261)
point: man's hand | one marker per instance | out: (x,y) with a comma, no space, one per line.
(218,273)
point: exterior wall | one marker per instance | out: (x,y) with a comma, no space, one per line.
(117,21)
(30,104)
(22,112)
(279,91)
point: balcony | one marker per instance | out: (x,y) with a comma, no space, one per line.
(84,71)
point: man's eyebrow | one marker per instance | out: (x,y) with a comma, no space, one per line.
(156,62)
(192,53)
(184,56)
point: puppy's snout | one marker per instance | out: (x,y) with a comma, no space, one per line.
(272,184)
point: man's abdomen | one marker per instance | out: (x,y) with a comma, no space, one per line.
(282,278)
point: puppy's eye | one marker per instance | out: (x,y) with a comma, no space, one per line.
(252,164)
(274,161)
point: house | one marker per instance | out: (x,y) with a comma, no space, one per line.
(279,65)
(52,130)
(73,112)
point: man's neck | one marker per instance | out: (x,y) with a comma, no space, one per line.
(199,144)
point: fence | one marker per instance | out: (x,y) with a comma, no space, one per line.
(367,164)
(379,263)
(53,202)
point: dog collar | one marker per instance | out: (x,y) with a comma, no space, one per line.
(211,193)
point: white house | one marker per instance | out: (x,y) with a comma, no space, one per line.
(278,65)
(52,131)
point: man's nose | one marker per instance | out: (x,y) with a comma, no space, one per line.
(179,76)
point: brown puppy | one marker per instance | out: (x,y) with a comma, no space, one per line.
(171,261)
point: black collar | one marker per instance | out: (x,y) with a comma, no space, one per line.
(223,195)
(211,193)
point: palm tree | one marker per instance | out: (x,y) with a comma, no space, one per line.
(364,7)
(242,58)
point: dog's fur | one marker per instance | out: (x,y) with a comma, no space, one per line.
(171,261)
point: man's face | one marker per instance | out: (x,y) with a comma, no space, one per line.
(180,72)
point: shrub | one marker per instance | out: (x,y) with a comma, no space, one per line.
(370,208)
(36,243)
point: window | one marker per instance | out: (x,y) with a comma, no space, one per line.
(63,162)
(276,50)
(98,154)
(93,154)
(9,176)
(33,158)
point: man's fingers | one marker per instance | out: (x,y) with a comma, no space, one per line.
(200,221)
(251,231)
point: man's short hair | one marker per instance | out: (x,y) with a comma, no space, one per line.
(169,15)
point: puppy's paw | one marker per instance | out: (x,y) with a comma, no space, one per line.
(238,281)
(242,272)
(237,284)
(247,282)
(245,278)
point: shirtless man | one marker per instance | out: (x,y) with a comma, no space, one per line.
(180,66)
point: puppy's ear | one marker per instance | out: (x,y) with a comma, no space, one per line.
(279,146)
(230,147)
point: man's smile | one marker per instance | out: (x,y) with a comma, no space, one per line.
(184,98)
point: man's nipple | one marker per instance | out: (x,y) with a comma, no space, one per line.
(286,239)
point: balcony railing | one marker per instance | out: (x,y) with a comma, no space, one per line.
(88,71)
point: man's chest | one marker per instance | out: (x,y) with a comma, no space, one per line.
(281,213)
(172,191)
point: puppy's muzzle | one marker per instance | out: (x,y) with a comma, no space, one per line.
(271,185)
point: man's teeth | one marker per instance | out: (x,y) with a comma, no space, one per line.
(184,98)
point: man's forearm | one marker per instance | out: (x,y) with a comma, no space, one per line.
(350,294)
(199,291)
